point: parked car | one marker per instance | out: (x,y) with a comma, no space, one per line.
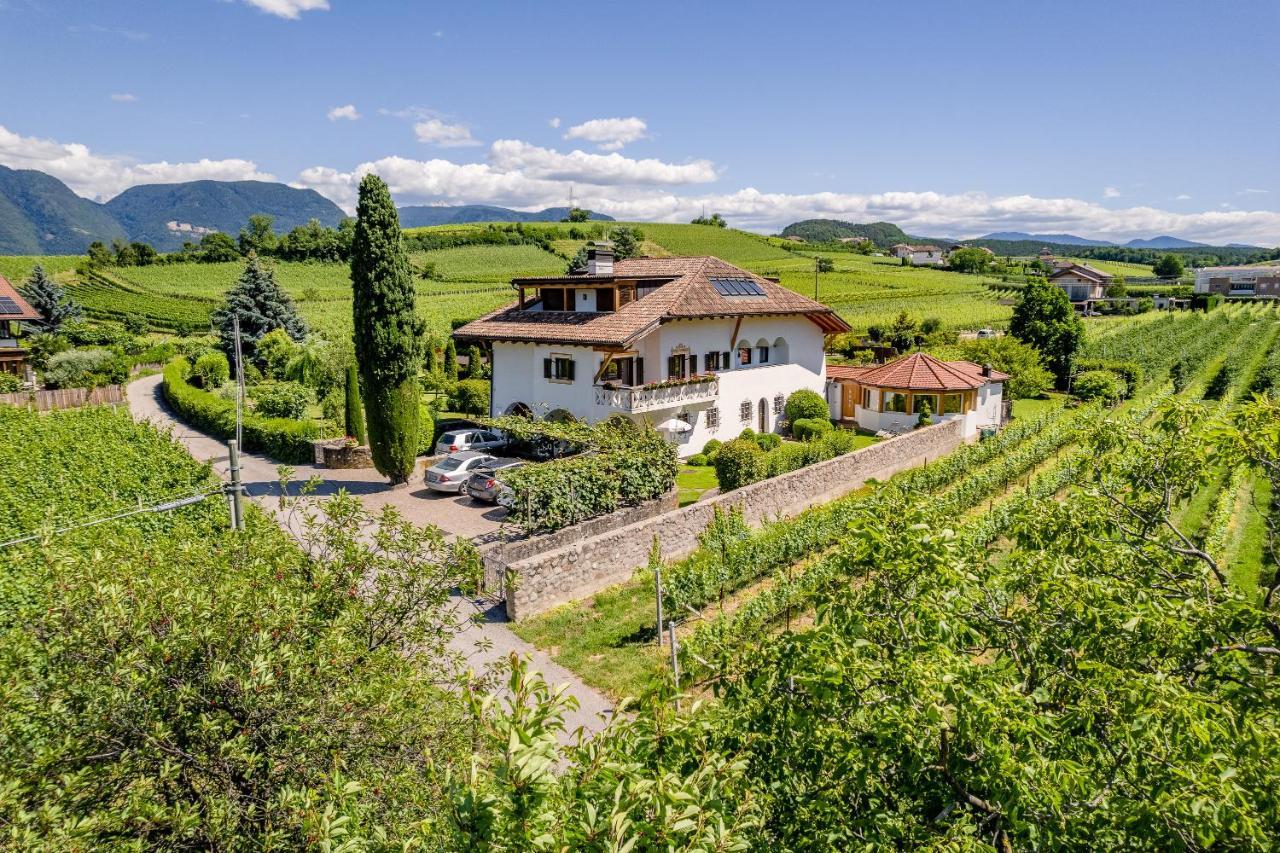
(986,333)
(458,440)
(450,474)
(483,484)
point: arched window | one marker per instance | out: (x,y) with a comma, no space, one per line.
(762,351)
(744,353)
(781,355)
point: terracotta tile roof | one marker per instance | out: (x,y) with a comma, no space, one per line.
(8,293)
(918,372)
(688,291)
(1083,270)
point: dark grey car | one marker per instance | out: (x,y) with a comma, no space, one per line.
(483,484)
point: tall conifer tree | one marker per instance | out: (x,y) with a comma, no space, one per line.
(388,332)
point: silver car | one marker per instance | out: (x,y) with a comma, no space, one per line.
(484,485)
(450,474)
(472,438)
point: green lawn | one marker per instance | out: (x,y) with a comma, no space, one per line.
(1034,407)
(693,480)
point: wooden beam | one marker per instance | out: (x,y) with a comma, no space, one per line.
(604,365)
(733,338)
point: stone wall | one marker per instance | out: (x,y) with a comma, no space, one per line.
(585,564)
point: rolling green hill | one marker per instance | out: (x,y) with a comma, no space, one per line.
(883,234)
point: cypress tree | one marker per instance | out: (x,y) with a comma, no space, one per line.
(475,367)
(388,332)
(433,359)
(50,300)
(450,361)
(355,414)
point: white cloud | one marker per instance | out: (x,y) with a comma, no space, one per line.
(438,34)
(609,133)
(103,176)
(124,98)
(347,112)
(290,9)
(438,132)
(1182,197)
(1110,192)
(512,155)
(1252,191)
(554,122)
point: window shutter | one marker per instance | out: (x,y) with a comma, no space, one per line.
(639,371)
(693,364)
(724,361)
(570,363)
(546,368)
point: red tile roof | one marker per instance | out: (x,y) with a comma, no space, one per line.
(1083,270)
(24,312)
(918,372)
(688,292)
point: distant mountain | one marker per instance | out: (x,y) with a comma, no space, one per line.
(40,215)
(1165,242)
(420,216)
(198,207)
(1060,239)
(883,234)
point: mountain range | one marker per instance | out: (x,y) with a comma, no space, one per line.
(1161,242)
(40,215)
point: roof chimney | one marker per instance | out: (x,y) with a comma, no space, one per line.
(600,259)
(986,370)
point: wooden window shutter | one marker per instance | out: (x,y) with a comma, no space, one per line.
(693,364)
(571,364)
(546,368)
(724,361)
(639,371)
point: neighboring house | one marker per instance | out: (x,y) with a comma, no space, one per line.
(13,310)
(1046,256)
(1239,281)
(1081,282)
(890,397)
(920,256)
(694,346)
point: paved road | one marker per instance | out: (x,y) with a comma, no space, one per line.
(455,516)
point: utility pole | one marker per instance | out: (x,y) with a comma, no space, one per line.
(815,279)
(235,326)
(236,488)
(657,582)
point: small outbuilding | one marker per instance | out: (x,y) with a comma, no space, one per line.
(891,397)
(14,311)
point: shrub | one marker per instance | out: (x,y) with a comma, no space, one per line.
(1098,385)
(738,463)
(281,439)
(9,382)
(806,429)
(426,428)
(1129,371)
(806,404)
(712,447)
(75,368)
(136,324)
(470,396)
(211,370)
(274,351)
(698,460)
(748,433)
(768,441)
(282,400)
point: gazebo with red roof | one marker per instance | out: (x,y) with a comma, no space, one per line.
(13,310)
(890,397)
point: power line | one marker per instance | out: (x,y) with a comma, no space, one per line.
(166,506)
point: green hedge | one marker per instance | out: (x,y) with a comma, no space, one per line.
(281,439)
(1129,371)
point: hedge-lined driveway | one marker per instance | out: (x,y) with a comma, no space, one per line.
(454,514)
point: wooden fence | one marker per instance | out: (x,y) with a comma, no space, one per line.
(65,398)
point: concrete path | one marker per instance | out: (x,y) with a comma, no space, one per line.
(484,641)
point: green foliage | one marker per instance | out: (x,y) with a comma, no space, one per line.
(282,400)
(711,448)
(803,404)
(577,214)
(282,439)
(1168,266)
(1098,386)
(739,462)
(806,429)
(257,237)
(621,467)
(768,441)
(883,234)
(388,332)
(51,302)
(825,265)
(476,368)
(450,361)
(1045,320)
(925,417)
(1219,383)
(971,261)
(211,371)
(626,242)
(1130,372)
(274,352)
(262,307)
(698,460)
(1007,354)
(470,396)
(904,334)
(353,411)
(81,368)
(714,219)
(9,382)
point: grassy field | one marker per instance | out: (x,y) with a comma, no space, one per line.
(17,268)
(470,280)
(1118,267)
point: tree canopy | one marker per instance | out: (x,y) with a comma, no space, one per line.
(262,306)
(1045,319)
(51,302)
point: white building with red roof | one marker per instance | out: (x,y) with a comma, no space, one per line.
(14,310)
(695,346)
(890,397)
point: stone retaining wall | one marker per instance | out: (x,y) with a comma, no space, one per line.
(585,564)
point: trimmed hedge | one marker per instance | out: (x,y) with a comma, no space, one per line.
(281,439)
(1129,371)
(805,429)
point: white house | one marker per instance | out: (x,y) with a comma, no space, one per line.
(920,256)
(891,397)
(1239,281)
(694,346)
(1081,282)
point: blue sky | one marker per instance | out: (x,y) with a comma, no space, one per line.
(1114,119)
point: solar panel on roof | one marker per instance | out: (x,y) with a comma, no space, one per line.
(8,306)
(737,287)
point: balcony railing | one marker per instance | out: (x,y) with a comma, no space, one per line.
(647,398)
